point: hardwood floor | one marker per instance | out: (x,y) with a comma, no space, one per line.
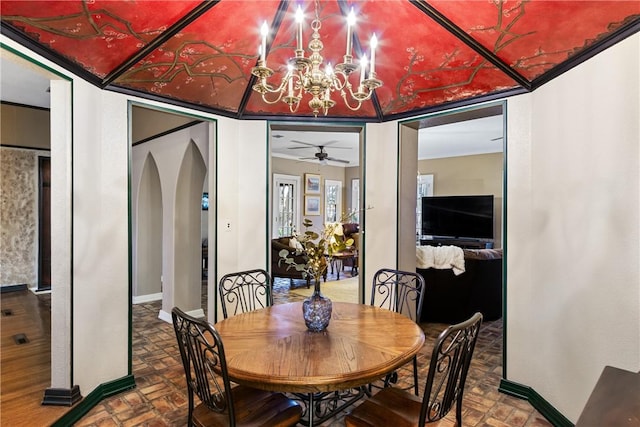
(26,368)
(159,398)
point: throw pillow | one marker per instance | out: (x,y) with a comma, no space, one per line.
(294,244)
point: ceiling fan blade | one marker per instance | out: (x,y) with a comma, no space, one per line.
(299,148)
(305,143)
(337,160)
(326,144)
(495,139)
(330,143)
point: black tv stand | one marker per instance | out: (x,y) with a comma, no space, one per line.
(452,241)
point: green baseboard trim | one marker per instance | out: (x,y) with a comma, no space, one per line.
(62,396)
(538,402)
(13,288)
(96,396)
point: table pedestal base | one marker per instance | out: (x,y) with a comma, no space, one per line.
(319,407)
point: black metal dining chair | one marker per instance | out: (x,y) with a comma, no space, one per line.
(245,291)
(450,361)
(402,292)
(205,367)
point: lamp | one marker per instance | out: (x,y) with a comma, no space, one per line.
(307,76)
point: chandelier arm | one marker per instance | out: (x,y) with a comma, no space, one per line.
(346,102)
(337,83)
(280,88)
(293,110)
(275,101)
(359,96)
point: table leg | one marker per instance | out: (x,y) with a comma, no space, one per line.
(311,409)
(320,407)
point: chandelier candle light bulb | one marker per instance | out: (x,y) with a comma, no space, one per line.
(363,69)
(373,44)
(264,30)
(299,21)
(351,21)
(290,67)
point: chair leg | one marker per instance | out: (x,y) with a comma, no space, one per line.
(190,413)
(415,375)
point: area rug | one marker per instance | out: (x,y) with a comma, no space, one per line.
(345,290)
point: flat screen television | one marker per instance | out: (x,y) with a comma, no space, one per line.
(458,216)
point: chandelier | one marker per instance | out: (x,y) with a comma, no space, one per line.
(308,76)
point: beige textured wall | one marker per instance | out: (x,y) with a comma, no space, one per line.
(453,176)
(479,174)
(573,264)
(149,122)
(18,216)
(24,127)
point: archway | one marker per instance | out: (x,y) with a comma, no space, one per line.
(187,230)
(147,284)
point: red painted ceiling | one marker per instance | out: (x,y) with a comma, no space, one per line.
(432,54)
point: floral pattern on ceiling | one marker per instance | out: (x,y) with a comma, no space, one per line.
(97,35)
(533,36)
(436,67)
(433,54)
(207,63)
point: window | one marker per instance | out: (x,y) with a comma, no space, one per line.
(285,205)
(355,200)
(425,189)
(332,200)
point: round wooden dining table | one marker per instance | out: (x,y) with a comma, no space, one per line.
(272,349)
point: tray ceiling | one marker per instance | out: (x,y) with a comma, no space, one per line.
(432,54)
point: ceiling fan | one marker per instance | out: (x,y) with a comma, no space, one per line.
(321,154)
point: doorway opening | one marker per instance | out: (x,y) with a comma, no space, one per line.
(37,155)
(312,169)
(460,157)
(170,191)
(44,223)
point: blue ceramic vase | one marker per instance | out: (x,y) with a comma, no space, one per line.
(316,310)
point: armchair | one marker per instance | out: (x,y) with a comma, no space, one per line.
(280,269)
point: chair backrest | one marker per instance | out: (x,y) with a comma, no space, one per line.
(245,291)
(399,291)
(204,363)
(448,370)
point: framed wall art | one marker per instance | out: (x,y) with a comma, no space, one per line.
(311,183)
(311,205)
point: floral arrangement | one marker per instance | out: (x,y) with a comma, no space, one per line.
(317,247)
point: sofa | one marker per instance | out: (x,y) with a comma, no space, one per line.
(451,298)
(280,269)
